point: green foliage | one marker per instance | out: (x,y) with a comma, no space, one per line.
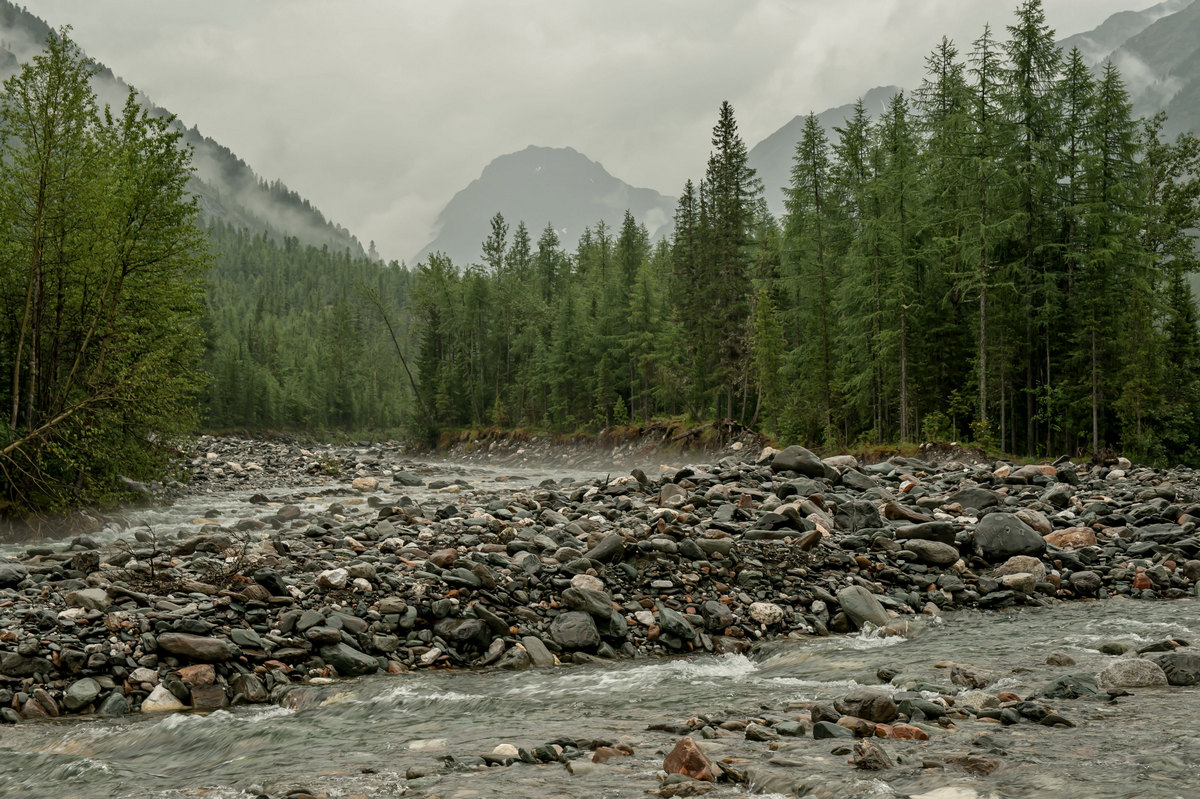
(101,268)
(1003,257)
(296,342)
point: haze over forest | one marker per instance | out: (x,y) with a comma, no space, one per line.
(379,112)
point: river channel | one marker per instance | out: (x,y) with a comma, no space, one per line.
(375,736)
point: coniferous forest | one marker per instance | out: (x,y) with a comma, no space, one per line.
(1002,257)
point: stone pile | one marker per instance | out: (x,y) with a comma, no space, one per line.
(698,559)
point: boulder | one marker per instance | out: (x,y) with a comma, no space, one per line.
(88,599)
(1072,538)
(871,704)
(929,531)
(999,536)
(861,606)
(798,459)
(196,647)
(575,630)
(1131,673)
(934,552)
(348,661)
(1181,668)
(161,700)
(80,694)
(688,759)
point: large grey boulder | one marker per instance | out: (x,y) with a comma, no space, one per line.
(575,630)
(798,459)
(999,536)
(196,647)
(348,661)
(1131,673)
(861,606)
(1181,668)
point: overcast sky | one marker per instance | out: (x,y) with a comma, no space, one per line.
(378,111)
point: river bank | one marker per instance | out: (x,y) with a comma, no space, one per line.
(314,565)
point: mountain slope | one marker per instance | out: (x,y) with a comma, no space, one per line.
(228,189)
(1101,42)
(772,157)
(540,186)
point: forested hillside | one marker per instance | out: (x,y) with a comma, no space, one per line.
(1001,255)
(228,189)
(295,340)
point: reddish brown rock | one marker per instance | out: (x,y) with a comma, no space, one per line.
(1142,582)
(209,697)
(860,727)
(200,675)
(443,557)
(1072,538)
(604,754)
(687,759)
(907,732)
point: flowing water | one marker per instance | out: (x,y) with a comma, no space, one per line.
(366,737)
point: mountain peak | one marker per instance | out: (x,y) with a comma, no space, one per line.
(542,185)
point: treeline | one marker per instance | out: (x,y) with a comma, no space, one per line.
(296,338)
(1003,256)
(101,287)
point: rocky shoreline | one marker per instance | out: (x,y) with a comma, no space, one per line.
(354,575)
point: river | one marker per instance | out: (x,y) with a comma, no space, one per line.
(375,736)
(366,735)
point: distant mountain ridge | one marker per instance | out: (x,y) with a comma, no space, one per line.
(772,157)
(543,185)
(227,188)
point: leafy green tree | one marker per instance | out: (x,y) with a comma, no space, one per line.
(100,286)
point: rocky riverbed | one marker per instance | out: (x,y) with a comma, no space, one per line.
(313,565)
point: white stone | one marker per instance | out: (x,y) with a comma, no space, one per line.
(1131,673)
(506,750)
(143,675)
(365,484)
(333,578)
(360,584)
(587,581)
(644,618)
(1023,582)
(766,612)
(161,700)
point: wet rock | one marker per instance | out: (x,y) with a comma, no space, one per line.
(760,732)
(862,607)
(161,700)
(999,536)
(871,757)
(80,694)
(196,647)
(1131,673)
(868,703)
(575,630)
(348,661)
(1070,686)
(1180,668)
(829,729)
(688,759)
